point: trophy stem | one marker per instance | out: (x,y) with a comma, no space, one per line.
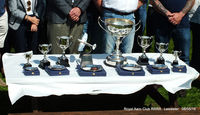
(161,54)
(118,42)
(28,61)
(144,51)
(63,53)
(45,56)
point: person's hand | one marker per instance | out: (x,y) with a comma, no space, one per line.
(176,18)
(75,13)
(168,14)
(34,28)
(33,20)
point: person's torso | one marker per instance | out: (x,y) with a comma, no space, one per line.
(121,5)
(55,15)
(173,6)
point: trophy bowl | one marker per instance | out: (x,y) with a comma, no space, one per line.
(119,29)
(63,43)
(176,55)
(144,42)
(44,49)
(28,56)
(161,47)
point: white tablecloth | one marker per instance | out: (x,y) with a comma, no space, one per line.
(45,85)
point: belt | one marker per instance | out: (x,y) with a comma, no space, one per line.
(118,12)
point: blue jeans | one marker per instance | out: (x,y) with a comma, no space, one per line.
(181,38)
(109,41)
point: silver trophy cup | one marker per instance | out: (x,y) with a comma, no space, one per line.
(119,29)
(44,49)
(161,47)
(63,43)
(176,55)
(28,56)
(144,42)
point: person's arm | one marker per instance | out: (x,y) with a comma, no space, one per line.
(157,5)
(187,7)
(83,5)
(178,16)
(98,4)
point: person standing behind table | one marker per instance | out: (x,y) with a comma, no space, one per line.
(194,16)
(141,16)
(119,9)
(65,18)
(23,22)
(3,32)
(172,21)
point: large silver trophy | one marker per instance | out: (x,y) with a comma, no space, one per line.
(44,49)
(86,58)
(176,55)
(161,47)
(144,42)
(63,43)
(119,29)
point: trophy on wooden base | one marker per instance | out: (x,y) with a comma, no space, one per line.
(44,49)
(161,47)
(119,29)
(64,43)
(28,56)
(144,42)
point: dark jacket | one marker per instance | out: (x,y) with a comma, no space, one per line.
(58,10)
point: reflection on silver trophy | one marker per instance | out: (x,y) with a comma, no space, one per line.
(176,55)
(119,29)
(28,56)
(64,43)
(144,42)
(86,58)
(44,49)
(161,47)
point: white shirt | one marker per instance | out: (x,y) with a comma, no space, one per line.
(121,5)
(31,11)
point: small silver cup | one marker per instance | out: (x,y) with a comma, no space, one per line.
(63,43)
(161,47)
(44,49)
(28,56)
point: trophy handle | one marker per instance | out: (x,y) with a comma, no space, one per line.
(50,46)
(151,37)
(137,25)
(139,37)
(39,48)
(100,20)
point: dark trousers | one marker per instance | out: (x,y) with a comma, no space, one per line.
(195,62)
(25,40)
